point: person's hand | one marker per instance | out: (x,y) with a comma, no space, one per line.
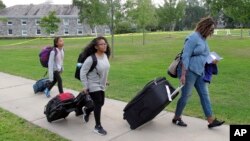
(85,90)
(107,83)
(183,79)
(215,61)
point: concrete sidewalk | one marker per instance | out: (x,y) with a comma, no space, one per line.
(17,96)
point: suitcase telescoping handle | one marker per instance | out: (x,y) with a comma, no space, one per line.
(155,81)
(175,91)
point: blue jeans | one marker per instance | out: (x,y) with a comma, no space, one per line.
(194,80)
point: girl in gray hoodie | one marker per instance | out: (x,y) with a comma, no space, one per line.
(95,82)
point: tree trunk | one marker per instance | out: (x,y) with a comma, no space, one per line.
(143,36)
(241,32)
(112,29)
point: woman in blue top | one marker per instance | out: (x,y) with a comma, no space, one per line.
(191,71)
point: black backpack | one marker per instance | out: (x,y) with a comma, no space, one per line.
(83,100)
(81,60)
(60,106)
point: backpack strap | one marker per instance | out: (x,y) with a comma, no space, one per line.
(94,62)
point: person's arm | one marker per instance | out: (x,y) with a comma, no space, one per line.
(189,45)
(83,73)
(183,75)
(51,65)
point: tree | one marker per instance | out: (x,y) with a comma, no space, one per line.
(93,12)
(238,10)
(50,23)
(171,13)
(145,15)
(193,15)
(2,5)
(141,13)
(118,14)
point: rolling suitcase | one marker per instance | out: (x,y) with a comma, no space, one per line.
(60,106)
(149,102)
(63,104)
(40,85)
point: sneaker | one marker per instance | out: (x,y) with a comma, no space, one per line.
(47,92)
(215,123)
(99,130)
(179,122)
(85,115)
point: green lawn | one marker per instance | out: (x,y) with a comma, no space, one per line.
(134,65)
(13,128)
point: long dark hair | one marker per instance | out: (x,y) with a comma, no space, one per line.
(56,41)
(204,26)
(90,48)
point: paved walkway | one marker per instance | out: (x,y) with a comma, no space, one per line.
(17,96)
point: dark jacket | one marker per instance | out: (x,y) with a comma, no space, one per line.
(210,69)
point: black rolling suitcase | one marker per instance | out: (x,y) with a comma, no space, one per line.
(149,102)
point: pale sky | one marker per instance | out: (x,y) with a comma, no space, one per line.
(9,3)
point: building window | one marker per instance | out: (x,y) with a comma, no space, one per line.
(93,30)
(10,32)
(52,33)
(24,22)
(79,22)
(79,31)
(24,32)
(107,31)
(38,22)
(66,31)
(66,21)
(9,23)
(38,32)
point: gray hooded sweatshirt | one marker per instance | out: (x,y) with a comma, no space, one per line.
(95,80)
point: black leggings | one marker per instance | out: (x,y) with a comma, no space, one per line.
(58,79)
(98,98)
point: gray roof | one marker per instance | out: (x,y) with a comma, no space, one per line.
(39,10)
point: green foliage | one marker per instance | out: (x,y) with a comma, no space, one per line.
(141,13)
(2,19)
(193,15)
(50,23)
(124,27)
(238,10)
(171,13)
(119,16)
(93,12)
(2,5)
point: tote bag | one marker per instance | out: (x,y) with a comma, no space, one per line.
(172,69)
